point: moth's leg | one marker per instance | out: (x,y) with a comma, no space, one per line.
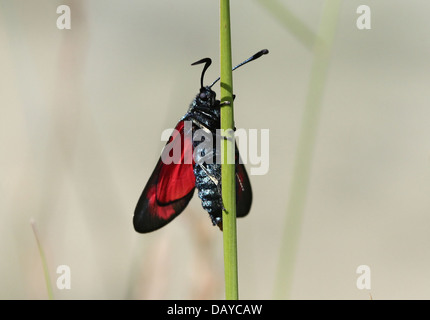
(201,126)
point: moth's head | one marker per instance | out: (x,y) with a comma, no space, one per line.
(206,96)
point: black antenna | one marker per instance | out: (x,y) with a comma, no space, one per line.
(255,56)
(207,62)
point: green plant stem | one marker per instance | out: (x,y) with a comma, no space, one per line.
(303,160)
(44,263)
(228,181)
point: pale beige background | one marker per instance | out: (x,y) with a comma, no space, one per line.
(82,111)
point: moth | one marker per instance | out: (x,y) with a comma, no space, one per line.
(172,184)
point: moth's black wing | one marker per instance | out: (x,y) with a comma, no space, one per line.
(168,190)
(243,189)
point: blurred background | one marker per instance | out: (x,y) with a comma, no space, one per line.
(81,116)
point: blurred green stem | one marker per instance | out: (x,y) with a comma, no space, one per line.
(228,181)
(297,27)
(44,263)
(303,160)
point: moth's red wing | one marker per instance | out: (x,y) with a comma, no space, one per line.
(170,187)
(243,189)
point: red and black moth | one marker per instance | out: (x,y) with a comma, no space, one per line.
(171,185)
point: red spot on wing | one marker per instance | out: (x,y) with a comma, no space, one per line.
(160,211)
(176,180)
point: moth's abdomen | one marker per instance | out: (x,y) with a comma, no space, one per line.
(208,191)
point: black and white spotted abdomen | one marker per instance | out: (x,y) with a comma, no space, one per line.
(208,182)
